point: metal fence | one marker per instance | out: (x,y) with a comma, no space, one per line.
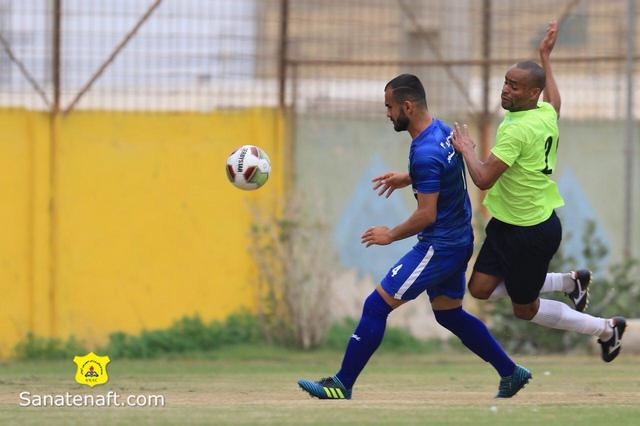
(320,58)
(138,55)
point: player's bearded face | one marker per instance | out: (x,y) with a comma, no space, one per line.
(401,122)
(517,93)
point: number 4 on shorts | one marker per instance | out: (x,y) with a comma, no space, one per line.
(395,270)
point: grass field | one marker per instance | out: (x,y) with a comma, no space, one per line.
(253,385)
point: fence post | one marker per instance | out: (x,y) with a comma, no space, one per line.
(282,53)
(485,116)
(287,113)
(53,160)
(629,132)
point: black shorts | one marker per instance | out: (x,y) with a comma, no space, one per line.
(520,255)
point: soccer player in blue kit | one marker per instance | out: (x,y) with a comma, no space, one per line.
(437,263)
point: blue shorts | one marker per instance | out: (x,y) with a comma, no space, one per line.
(438,271)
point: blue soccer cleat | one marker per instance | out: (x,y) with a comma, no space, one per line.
(325,388)
(510,385)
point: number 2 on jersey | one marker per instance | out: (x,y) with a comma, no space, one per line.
(547,149)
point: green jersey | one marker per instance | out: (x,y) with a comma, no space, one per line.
(527,142)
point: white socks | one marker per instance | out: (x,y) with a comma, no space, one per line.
(558,281)
(554,314)
(555,281)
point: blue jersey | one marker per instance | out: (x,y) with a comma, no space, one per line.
(435,166)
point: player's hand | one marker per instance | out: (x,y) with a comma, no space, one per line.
(380,235)
(461,139)
(549,40)
(390,182)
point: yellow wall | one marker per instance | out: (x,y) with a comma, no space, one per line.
(145,227)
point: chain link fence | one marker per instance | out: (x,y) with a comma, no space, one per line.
(327,61)
(201,55)
(139,55)
(342,52)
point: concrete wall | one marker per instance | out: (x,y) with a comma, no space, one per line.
(337,157)
(146,226)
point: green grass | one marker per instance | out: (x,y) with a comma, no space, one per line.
(257,385)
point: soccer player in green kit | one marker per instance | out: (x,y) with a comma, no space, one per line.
(524,232)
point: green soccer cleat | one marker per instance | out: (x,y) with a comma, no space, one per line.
(510,385)
(325,388)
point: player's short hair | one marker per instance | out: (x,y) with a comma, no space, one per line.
(537,76)
(407,87)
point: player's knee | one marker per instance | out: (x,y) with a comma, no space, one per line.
(439,319)
(450,319)
(478,291)
(525,312)
(375,306)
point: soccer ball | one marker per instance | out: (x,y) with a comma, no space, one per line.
(248,167)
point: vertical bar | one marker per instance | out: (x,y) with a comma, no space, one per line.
(485,117)
(55,63)
(31,230)
(282,53)
(629,128)
(486,54)
(287,113)
(292,126)
(53,142)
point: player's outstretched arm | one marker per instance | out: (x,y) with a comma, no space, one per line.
(484,174)
(551,93)
(424,216)
(390,182)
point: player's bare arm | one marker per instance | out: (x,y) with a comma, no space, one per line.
(483,173)
(390,182)
(551,93)
(424,216)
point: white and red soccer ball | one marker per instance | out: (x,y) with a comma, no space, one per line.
(248,167)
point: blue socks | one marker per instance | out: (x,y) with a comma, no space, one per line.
(370,331)
(477,337)
(365,340)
